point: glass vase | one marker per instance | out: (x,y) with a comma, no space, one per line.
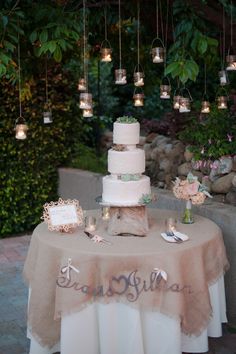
(188,213)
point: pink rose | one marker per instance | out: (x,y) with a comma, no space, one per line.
(192,188)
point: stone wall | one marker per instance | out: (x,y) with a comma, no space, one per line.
(168,158)
(86,186)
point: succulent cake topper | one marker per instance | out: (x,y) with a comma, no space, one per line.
(145,199)
(119,147)
(130,177)
(126,119)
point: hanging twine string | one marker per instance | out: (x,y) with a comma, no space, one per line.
(138,29)
(223,39)
(205,78)
(19,74)
(46,79)
(167,20)
(231,24)
(120,35)
(161,17)
(172,24)
(85,43)
(105,19)
(157,14)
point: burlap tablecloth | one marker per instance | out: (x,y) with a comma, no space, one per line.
(125,272)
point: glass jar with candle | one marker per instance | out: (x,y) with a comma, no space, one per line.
(138,78)
(138,99)
(222,102)
(105,213)
(90,223)
(21,129)
(106,55)
(85,100)
(82,85)
(205,107)
(120,77)
(184,105)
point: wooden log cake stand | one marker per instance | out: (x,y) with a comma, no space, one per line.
(128,221)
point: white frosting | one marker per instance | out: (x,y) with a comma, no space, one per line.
(130,162)
(126,133)
(120,193)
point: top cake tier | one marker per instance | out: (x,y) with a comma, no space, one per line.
(126,133)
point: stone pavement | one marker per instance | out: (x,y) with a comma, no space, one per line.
(13,303)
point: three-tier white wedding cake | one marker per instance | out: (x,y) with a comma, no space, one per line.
(126,185)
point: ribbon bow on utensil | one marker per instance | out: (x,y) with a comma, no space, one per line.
(68,268)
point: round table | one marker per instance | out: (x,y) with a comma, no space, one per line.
(99,298)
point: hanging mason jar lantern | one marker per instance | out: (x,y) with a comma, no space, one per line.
(82,85)
(205,107)
(47,114)
(165,88)
(223,78)
(138,98)
(85,100)
(138,78)
(105,51)
(222,102)
(21,129)
(120,77)
(158,51)
(176,98)
(87,112)
(231,62)
(185,101)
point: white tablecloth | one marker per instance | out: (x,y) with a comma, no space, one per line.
(116,328)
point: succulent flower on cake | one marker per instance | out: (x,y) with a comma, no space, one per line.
(190,189)
(126,120)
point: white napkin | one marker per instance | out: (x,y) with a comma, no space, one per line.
(171,238)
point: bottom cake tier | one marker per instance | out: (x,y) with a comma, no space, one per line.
(124,193)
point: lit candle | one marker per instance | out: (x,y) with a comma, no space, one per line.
(165,95)
(171,224)
(90,223)
(106,58)
(157,59)
(138,102)
(139,82)
(183,109)
(105,213)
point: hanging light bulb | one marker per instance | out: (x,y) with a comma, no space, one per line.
(231,57)
(120,74)
(21,129)
(165,88)
(158,50)
(82,84)
(185,101)
(88,112)
(138,99)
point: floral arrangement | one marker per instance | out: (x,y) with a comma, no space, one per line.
(190,189)
(126,119)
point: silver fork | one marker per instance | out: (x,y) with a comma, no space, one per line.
(175,237)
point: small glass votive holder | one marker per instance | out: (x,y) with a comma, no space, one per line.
(90,223)
(170,224)
(105,213)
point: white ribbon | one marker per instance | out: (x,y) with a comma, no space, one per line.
(97,239)
(160,272)
(68,268)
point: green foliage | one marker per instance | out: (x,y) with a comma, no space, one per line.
(212,138)
(28,168)
(191,44)
(85,158)
(126,119)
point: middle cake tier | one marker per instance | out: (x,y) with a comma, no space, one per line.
(125,193)
(126,162)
